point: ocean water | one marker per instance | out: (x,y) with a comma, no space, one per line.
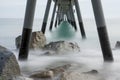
(90,56)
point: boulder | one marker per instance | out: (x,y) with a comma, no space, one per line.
(76,75)
(38,40)
(117,44)
(42,74)
(48,53)
(62,47)
(91,72)
(21,78)
(8,64)
(50,73)
(18,42)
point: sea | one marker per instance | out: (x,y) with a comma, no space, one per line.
(90,56)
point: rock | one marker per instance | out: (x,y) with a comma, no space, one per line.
(74,75)
(44,74)
(2,48)
(38,40)
(91,72)
(60,69)
(50,73)
(21,78)
(8,64)
(117,44)
(18,41)
(49,53)
(62,47)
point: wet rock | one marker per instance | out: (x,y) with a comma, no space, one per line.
(60,69)
(2,48)
(117,45)
(18,42)
(62,47)
(44,74)
(49,53)
(38,40)
(74,75)
(50,73)
(21,78)
(8,64)
(91,72)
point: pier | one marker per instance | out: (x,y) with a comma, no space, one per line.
(63,9)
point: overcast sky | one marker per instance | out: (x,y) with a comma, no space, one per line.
(16,8)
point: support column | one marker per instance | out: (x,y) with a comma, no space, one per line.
(46,16)
(102,31)
(59,18)
(53,15)
(73,17)
(80,19)
(68,18)
(27,29)
(56,20)
(60,15)
(57,15)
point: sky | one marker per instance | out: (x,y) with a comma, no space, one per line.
(16,8)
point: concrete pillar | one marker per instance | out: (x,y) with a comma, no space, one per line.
(80,19)
(61,18)
(73,17)
(27,29)
(53,15)
(56,20)
(102,31)
(65,17)
(60,15)
(68,18)
(46,16)
(57,15)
